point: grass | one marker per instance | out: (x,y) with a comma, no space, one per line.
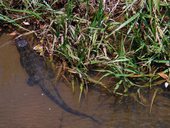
(125,43)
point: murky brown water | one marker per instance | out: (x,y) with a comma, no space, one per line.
(22,106)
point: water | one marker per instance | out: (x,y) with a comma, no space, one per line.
(22,106)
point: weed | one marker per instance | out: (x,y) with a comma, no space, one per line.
(128,41)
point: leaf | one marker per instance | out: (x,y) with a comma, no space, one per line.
(81,91)
(163,75)
(39,48)
(153,98)
(124,24)
(14,33)
(26,23)
(156,4)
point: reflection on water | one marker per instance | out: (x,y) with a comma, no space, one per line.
(22,106)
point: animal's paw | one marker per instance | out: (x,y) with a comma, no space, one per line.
(32,81)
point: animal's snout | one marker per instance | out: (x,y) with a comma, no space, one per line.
(21,43)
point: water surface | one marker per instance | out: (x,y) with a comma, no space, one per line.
(22,106)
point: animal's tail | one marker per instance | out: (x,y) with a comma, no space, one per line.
(59,101)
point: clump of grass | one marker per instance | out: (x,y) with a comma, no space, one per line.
(127,41)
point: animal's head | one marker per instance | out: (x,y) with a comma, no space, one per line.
(21,44)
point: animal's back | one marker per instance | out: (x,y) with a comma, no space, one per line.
(41,75)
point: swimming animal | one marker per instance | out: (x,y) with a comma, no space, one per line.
(39,74)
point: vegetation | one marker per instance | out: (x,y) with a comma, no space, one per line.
(123,42)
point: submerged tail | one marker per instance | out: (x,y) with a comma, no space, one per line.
(59,101)
(23,48)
